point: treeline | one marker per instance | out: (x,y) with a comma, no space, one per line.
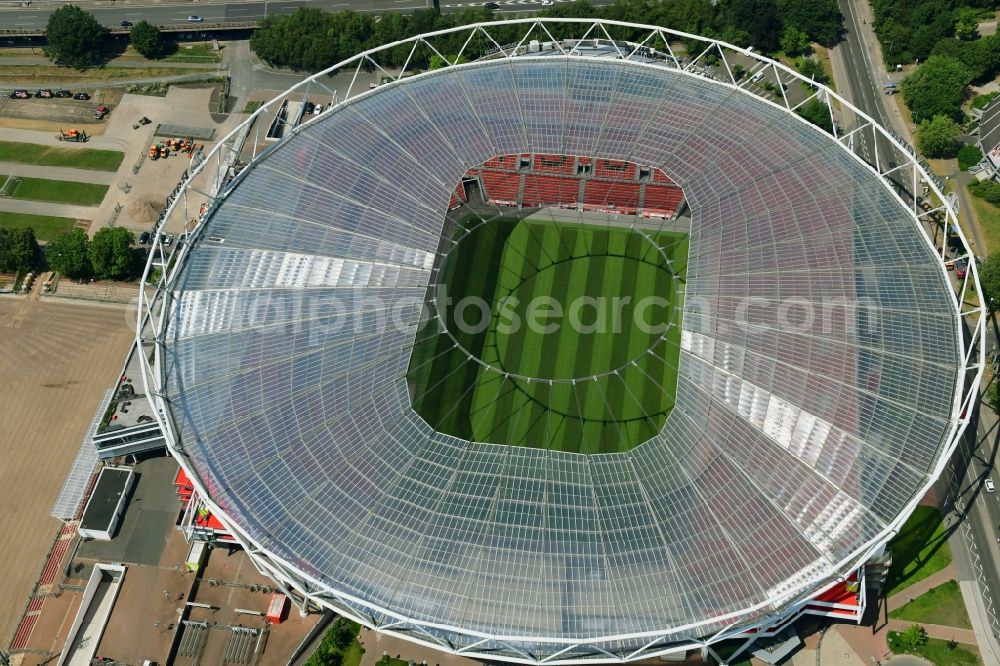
(312,40)
(911,29)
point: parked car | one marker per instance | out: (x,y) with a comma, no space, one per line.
(143,238)
(101,111)
(44,93)
(961,266)
(62,93)
(125,24)
(491,5)
(547,2)
(308,107)
(20,94)
(318,109)
(989,485)
(195,19)
(81,95)
(167,240)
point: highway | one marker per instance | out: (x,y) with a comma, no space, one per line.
(36,14)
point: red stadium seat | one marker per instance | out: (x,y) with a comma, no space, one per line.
(661,200)
(550,190)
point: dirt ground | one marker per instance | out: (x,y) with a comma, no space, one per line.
(52,115)
(57,360)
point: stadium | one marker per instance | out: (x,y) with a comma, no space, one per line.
(724,462)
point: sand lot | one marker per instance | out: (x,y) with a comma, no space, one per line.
(56,360)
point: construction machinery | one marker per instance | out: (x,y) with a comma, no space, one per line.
(158,150)
(72,135)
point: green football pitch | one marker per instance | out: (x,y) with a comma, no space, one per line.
(574,347)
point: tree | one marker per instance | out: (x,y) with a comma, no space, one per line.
(337,639)
(813,69)
(18,249)
(820,20)
(989,279)
(759,18)
(147,40)
(817,113)
(296,40)
(794,42)
(73,37)
(936,88)
(967,24)
(938,137)
(111,253)
(68,253)
(981,56)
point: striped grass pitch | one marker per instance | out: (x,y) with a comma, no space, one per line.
(602,385)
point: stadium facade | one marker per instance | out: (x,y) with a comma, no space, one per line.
(827,360)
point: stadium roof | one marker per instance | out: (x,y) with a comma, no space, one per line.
(795,447)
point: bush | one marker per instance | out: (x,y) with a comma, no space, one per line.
(968,157)
(913,637)
(992,398)
(817,113)
(987,189)
(982,101)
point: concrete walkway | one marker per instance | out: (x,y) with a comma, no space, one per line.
(939,631)
(904,597)
(45,208)
(59,173)
(129,64)
(115,83)
(49,139)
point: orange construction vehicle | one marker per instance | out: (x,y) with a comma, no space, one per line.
(72,135)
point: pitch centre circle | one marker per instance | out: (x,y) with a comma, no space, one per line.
(567,322)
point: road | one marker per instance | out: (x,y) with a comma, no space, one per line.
(864,83)
(36,14)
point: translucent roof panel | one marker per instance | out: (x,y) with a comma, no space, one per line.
(795,439)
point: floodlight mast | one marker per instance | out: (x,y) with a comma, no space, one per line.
(214,177)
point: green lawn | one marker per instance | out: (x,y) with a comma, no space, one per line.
(386,660)
(919,550)
(60,191)
(550,398)
(940,605)
(936,651)
(46,227)
(78,158)
(194,53)
(353,652)
(989,222)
